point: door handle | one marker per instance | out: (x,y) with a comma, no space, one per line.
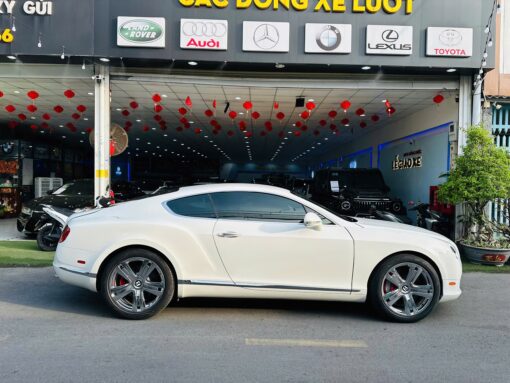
(228,234)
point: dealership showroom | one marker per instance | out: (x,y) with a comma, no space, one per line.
(163,94)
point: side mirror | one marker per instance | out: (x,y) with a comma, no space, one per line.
(313,221)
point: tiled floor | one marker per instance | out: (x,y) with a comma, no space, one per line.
(8,230)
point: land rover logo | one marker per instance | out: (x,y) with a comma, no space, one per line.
(390,36)
(140,31)
(450,37)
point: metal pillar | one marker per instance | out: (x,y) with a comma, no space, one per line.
(477,105)
(102,131)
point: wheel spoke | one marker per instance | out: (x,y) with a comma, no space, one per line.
(126,272)
(409,305)
(119,292)
(392,297)
(414,272)
(138,302)
(146,270)
(154,288)
(394,277)
(425,291)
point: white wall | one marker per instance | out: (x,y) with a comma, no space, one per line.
(505,37)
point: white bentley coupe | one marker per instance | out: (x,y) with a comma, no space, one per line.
(253,241)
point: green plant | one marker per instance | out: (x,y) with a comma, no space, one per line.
(481,174)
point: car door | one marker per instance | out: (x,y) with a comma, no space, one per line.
(263,243)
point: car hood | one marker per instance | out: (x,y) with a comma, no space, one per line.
(63,201)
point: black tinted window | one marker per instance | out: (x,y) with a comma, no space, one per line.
(257,206)
(195,206)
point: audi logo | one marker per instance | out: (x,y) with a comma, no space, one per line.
(204,29)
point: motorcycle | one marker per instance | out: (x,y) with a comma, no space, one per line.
(432,220)
(49,233)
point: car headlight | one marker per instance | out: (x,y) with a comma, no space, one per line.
(26,210)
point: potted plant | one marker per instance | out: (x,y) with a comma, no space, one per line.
(480,175)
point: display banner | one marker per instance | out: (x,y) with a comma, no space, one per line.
(328,38)
(450,42)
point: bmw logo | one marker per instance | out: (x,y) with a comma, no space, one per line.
(329,38)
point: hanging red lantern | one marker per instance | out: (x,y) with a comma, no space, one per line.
(332,127)
(58,109)
(133,105)
(332,114)
(268,125)
(69,93)
(32,108)
(112,147)
(198,130)
(438,99)
(188,102)
(157,117)
(360,112)
(363,124)
(183,120)
(69,125)
(89,130)
(316,133)
(46,117)
(248,134)
(345,122)
(297,133)
(1,94)
(230,133)
(276,105)
(10,108)
(391,110)
(33,127)
(33,95)
(255,115)
(22,117)
(242,125)
(156,98)
(375,118)
(232,114)
(128,124)
(146,128)
(214,103)
(345,105)
(75,116)
(179,128)
(81,108)
(304,128)
(323,123)
(209,113)
(163,127)
(158,108)
(213,123)
(127,129)
(187,125)
(125,113)
(263,133)
(45,125)
(12,124)
(281,134)
(248,105)
(280,116)
(299,124)
(305,115)
(387,104)
(310,106)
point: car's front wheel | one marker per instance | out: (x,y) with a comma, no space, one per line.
(405,288)
(137,284)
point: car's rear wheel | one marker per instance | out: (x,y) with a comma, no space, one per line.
(137,284)
(404,288)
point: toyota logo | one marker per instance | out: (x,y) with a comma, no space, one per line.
(266,36)
(204,29)
(329,38)
(390,35)
(450,37)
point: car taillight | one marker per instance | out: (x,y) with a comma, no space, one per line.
(65,234)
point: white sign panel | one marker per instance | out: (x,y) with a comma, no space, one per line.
(146,32)
(328,38)
(262,36)
(450,42)
(204,34)
(389,40)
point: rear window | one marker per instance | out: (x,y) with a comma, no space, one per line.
(194,206)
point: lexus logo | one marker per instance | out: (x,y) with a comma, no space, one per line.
(450,37)
(329,38)
(204,29)
(390,35)
(266,36)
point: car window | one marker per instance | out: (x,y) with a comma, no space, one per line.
(257,206)
(85,187)
(194,206)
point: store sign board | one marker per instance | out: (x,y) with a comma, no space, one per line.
(328,38)
(263,36)
(389,40)
(450,42)
(146,32)
(204,34)
(409,160)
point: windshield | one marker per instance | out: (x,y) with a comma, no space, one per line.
(360,180)
(84,187)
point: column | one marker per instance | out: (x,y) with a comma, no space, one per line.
(102,131)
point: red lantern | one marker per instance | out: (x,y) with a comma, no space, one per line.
(363,124)
(375,118)
(33,127)
(12,124)
(58,109)
(304,128)
(75,116)
(158,108)
(232,115)
(32,108)
(146,128)
(183,111)
(1,94)
(163,126)
(112,147)
(125,113)
(248,105)
(70,125)
(323,123)
(214,104)
(198,130)
(187,125)
(81,108)
(438,99)
(156,98)
(360,112)
(188,102)
(217,127)
(89,130)
(230,133)
(280,116)
(310,106)
(299,124)
(297,133)
(69,93)
(45,125)
(255,115)
(128,124)
(305,115)
(345,105)
(33,95)
(332,127)
(281,134)
(158,118)
(133,105)
(387,104)
(391,110)
(183,120)
(46,117)
(22,117)
(268,125)
(127,129)
(316,133)
(332,114)
(10,108)
(345,122)
(248,134)
(242,125)
(276,105)
(213,123)
(209,113)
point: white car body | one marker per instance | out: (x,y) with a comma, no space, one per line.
(266,260)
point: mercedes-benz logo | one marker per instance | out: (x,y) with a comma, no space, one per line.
(329,38)
(450,37)
(205,29)
(390,35)
(266,36)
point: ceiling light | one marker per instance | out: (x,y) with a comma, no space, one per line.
(238,98)
(90,93)
(192,63)
(11,57)
(118,109)
(366,67)
(164,96)
(279,66)
(85,119)
(104,59)
(311,100)
(16,91)
(451,70)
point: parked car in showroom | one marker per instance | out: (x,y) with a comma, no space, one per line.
(253,241)
(356,192)
(76,195)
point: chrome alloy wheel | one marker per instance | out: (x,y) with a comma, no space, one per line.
(407,289)
(136,284)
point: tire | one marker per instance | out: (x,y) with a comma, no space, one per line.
(130,291)
(404,288)
(43,242)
